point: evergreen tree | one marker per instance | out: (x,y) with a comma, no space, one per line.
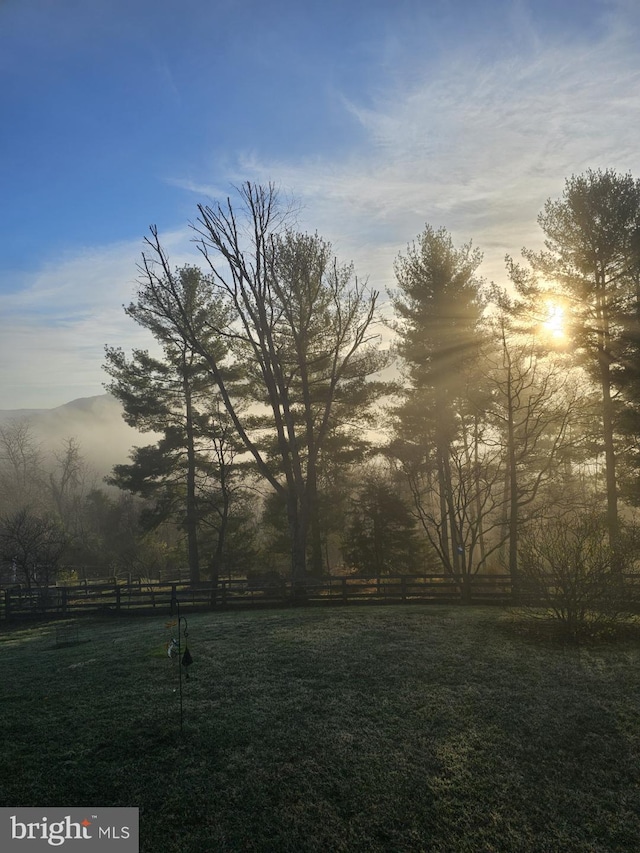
(439,304)
(188,472)
(381,536)
(591,238)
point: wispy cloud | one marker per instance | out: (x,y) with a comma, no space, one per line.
(476,145)
(54,329)
(474,140)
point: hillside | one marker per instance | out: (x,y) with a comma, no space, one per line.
(96,422)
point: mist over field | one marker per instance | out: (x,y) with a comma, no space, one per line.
(95,422)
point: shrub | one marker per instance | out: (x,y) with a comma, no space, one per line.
(568,568)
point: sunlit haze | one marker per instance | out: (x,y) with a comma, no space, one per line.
(377,117)
(554,324)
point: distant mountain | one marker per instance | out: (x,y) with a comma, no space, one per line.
(96,422)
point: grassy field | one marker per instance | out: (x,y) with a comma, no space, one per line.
(355,729)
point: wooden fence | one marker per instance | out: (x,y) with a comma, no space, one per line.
(143,597)
(156,597)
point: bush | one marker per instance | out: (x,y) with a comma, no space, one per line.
(568,568)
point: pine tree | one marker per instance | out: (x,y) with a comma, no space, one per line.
(439,304)
(592,236)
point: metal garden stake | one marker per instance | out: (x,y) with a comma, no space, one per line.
(185,660)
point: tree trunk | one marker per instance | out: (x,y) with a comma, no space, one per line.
(447,508)
(444,526)
(316,563)
(191,520)
(609,452)
(604,347)
(479,511)
(298,535)
(513,495)
(453,527)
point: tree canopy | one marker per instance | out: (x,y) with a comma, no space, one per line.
(513,405)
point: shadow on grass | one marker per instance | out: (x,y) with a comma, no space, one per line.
(65,645)
(542,627)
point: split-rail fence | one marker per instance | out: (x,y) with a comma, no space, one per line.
(148,597)
(143,596)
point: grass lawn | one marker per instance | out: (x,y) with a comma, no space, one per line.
(341,729)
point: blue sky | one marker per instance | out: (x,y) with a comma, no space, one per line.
(377,115)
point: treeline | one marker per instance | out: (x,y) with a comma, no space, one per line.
(293,439)
(56,521)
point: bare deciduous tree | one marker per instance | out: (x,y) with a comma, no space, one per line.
(21,466)
(301,329)
(33,546)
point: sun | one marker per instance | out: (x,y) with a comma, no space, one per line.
(554,322)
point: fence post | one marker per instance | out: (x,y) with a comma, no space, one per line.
(63,601)
(7,603)
(344,589)
(117,597)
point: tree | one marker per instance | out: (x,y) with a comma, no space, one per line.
(116,544)
(381,536)
(174,395)
(339,475)
(33,545)
(22,478)
(475,467)
(69,482)
(535,400)
(439,304)
(301,327)
(592,239)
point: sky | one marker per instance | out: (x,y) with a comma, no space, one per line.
(376,116)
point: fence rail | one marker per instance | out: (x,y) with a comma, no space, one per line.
(156,597)
(141,596)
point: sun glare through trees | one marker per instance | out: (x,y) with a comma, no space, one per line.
(290,441)
(294,457)
(554,324)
